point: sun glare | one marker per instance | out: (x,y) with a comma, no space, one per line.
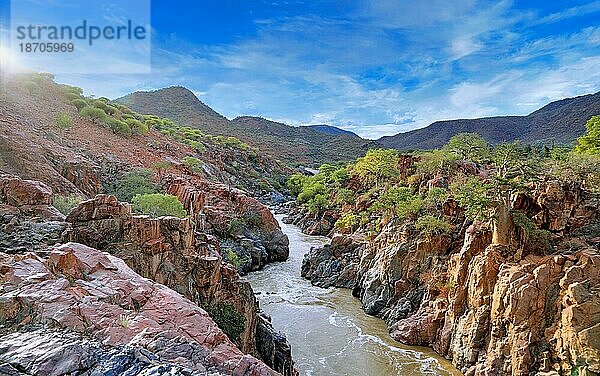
(8,59)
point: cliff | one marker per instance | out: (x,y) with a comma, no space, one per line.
(492,309)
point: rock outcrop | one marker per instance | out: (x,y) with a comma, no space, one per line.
(169,251)
(334,264)
(491,309)
(82,290)
(28,222)
(249,233)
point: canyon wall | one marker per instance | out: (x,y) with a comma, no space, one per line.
(517,310)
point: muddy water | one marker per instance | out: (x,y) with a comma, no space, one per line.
(328,331)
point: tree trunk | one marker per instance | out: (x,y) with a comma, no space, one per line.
(503,225)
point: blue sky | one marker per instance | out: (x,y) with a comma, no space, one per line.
(373,67)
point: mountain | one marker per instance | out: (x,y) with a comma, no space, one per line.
(294,145)
(178,104)
(329,129)
(558,122)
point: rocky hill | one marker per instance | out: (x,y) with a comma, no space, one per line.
(294,145)
(59,149)
(559,122)
(329,129)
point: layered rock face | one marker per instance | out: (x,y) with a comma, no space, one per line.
(27,219)
(88,294)
(169,251)
(246,228)
(491,309)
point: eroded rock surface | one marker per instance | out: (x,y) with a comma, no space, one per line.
(169,251)
(81,289)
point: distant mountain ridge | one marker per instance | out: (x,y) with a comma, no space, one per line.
(560,122)
(295,145)
(330,129)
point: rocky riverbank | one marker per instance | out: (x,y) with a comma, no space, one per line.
(166,250)
(491,309)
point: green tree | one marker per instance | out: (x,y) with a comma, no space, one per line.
(399,201)
(437,162)
(377,166)
(469,147)
(158,205)
(590,142)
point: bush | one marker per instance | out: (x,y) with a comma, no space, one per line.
(79,103)
(348,222)
(158,205)
(192,163)
(65,204)
(63,121)
(137,126)
(32,87)
(117,126)
(92,113)
(72,96)
(227,317)
(377,166)
(134,183)
(430,225)
(399,201)
(318,204)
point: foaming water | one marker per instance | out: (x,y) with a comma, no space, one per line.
(327,328)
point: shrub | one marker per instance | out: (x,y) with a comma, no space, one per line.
(348,222)
(430,225)
(92,113)
(399,201)
(234,259)
(192,163)
(79,103)
(72,96)
(158,205)
(344,196)
(227,317)
(437,162)
(590,142)
(117,126)
(65,204)
(473,196)
(318,204)
(63,121)
(237,226)
(133,183)
(137,126)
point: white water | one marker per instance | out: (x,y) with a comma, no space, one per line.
(329,332)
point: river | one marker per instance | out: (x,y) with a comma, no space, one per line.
(327,329)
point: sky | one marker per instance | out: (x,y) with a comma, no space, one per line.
(373,67)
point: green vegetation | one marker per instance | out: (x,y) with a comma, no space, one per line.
(193,164)
(481,179)
(63,122)
(96,114)
(65,204)
(590,142)
(248,220)
(158,205)
(118,127)
(430,225)
(136,182)
(377,165)
(229,319)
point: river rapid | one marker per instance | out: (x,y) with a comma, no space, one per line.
(327,328)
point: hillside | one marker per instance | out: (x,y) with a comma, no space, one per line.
(294,145)
(559,122)
(329,129)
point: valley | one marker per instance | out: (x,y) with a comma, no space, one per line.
(153,225)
